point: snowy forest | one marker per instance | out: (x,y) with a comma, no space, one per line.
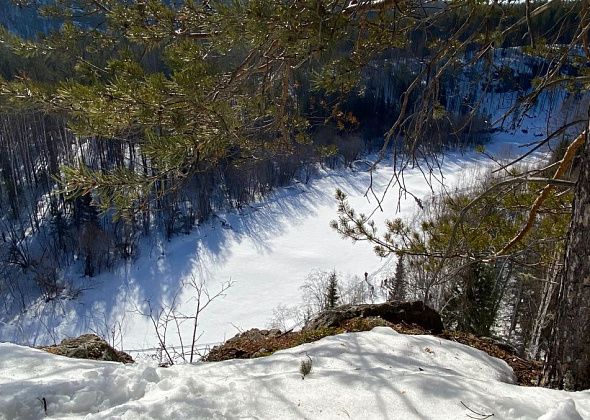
(125,123)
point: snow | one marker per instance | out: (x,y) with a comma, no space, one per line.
(565,409)
(378,374)
(267,249)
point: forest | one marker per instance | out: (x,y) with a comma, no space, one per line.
(121,120)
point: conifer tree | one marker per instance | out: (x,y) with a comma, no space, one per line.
(332,295)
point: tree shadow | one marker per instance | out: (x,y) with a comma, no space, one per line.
(108,302)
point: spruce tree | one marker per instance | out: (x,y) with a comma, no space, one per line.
(332,295)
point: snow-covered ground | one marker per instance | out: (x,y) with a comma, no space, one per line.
(378,374)
(267,249)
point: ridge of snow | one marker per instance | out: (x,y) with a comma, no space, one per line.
(375,374)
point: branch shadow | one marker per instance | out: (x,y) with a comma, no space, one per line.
(157,275)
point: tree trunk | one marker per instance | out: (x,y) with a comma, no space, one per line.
(567,365)
(547,298)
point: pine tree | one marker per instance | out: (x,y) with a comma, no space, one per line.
(568,360)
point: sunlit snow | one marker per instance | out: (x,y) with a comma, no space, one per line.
(369,375)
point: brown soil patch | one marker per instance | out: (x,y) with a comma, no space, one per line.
(527,371)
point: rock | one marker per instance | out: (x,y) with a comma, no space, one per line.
(361,165)
(227,353)
(247,344)
(395,312)
(411,318)
(503,345)
(88,346)
(254,335)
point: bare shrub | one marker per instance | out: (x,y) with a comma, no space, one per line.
(350,147)
(287,318)
(318,292)
(356,290)
(168,316)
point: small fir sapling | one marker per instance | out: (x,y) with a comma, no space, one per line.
(305,367)
(332,295)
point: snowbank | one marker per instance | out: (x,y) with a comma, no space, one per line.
(370,375)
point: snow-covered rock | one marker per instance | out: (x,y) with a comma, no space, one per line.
(369,375)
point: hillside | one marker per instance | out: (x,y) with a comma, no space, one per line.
(268,249)
(172,172)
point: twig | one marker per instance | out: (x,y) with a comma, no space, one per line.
(482,416)
(44,402)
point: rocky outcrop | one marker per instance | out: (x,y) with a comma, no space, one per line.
(405,318)
(248,344)
(411,313)
(258,343)
(88,346)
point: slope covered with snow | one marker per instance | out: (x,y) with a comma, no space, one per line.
(369,375)
(268,249)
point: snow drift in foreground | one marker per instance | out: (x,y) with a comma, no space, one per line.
(370,375)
